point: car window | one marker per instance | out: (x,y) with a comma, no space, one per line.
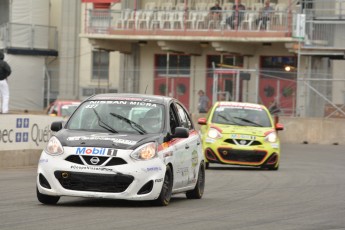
(243,116)
(173,120)
(118,117)
(185,121)
(54,109)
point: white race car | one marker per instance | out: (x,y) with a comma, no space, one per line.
(123,146)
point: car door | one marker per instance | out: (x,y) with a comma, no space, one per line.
(191,147)
(178,147)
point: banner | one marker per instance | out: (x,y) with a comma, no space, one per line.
(23,132)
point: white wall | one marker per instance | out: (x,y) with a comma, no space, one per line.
(34,12)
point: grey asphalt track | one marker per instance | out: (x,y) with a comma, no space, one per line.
(307,193)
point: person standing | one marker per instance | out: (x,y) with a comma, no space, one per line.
(204,102)
(5,71)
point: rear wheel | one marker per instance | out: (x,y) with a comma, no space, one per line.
(165,195)
(46,199)
(198,191)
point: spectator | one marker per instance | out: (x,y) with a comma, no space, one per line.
(274,108)
(265,15)
(5,71)
(237,15)
(204,102)
(216,11)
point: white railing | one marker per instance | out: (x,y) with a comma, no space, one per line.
(110,21)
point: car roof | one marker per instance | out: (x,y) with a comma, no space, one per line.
(235,103)
(130,96)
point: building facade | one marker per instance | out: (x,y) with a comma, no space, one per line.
(177,47)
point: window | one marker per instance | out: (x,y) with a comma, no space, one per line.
(100,65)
(274,66)
(185,121)
(179,65)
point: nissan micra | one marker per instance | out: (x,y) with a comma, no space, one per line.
(243,134)
(123,146)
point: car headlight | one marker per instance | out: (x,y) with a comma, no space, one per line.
(145,152)
(271,137)
(214,133)
(54,147)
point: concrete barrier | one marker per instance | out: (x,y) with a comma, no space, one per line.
(307,130)
(297,130)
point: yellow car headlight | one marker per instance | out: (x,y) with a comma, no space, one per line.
(214,133)
(271,137)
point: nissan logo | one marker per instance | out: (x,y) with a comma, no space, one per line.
(243,142)
(94,160)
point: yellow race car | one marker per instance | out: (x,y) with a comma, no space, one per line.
(237,133)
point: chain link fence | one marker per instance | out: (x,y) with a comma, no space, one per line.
(320,96)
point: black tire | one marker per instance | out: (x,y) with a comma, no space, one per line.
(198,191)
(165,195)
(207,165)
(46,199)
(273,167)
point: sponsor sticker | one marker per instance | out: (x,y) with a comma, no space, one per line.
(275,145)
(115,140)
(153,169)
(84,167)
(43,161)
(242,136)
(210,140)
(90,151)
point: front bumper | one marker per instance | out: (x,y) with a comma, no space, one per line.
(218,151)
(135,180)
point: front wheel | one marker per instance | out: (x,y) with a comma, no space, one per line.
(198,191)
(46,199)
(274,167)
(207,165)
(165,195)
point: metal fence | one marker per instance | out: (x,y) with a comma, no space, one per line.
(311,95)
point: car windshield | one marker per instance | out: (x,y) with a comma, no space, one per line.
(118,117)
(242,116)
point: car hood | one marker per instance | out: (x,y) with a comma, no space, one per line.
(72,138)
(245,130)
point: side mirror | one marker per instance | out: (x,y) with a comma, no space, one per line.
(181,132)
(56,126)
(202,121)
(279,126)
